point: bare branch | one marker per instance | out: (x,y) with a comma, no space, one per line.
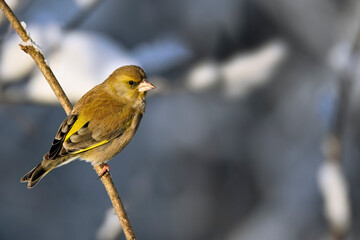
(29,47)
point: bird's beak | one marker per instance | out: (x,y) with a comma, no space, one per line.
(145,85)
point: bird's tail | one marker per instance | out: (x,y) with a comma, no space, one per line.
(35,175)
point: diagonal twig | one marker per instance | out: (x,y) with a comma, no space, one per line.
(30,48)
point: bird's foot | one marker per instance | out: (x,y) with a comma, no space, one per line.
(105,169)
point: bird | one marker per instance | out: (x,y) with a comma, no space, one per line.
(100,125)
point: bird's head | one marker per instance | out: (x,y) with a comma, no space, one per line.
(129,82)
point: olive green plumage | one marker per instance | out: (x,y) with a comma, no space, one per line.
(100,125)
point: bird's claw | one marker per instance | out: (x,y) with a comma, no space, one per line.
(105,169)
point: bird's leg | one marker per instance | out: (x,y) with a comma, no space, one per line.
(105,169)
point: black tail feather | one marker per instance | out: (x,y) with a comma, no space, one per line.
(35,175)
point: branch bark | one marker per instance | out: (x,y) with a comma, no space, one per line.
(30,48)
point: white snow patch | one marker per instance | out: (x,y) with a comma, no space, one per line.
(240,74)
(111,228)
(31,43)
(203,76)
(243,72)
(23,24)
(14,63)
(334,189)
(83,4)
(82,61)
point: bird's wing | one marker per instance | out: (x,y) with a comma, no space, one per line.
(58,141)
(83,131)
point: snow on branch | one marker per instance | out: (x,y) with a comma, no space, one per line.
(29,46)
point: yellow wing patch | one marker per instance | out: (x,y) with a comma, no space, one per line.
(80,122)
(91,147)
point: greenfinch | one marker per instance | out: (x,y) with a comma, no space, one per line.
(100,125)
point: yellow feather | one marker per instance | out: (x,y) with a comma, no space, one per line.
(80,122)
(91,147)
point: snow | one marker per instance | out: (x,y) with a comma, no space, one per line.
(203,76)
(85,3)
(83,60)
(111,228)
(245,71)
(31,43)
(241,73)
(334,189)
(14,63)
(23,24)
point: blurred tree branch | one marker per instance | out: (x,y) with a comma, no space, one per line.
(29,47)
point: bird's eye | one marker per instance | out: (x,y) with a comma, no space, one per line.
(131,82)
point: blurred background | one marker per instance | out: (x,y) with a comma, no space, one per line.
(252,132)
